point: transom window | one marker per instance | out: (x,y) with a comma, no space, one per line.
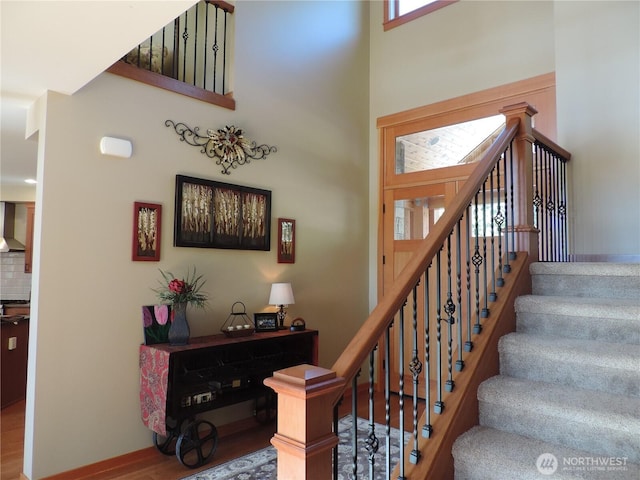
(397,12)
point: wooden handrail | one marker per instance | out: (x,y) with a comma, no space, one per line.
(303,440)
(348,364)
(551,145)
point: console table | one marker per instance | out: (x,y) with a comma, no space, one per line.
(177,383)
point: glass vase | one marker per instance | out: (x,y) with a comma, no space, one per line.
(179,330)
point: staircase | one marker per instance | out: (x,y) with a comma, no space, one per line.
(566,404)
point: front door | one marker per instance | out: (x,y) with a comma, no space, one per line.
(412,196)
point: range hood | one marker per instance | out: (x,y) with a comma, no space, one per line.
(8,218)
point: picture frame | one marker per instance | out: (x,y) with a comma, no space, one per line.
(286,240)
(147,223)
(211,214)
(265,321)
(156,321)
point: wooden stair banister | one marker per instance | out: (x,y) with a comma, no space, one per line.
(517,134)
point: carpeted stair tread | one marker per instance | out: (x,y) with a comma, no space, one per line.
(587,420)
(570,379)
(620,308)
(601,280)
(604,319)
(485,453)
(607,367)
(597,269)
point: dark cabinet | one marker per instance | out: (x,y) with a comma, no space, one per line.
(177,383)
(13,367)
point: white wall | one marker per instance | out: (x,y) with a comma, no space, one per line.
(598,75)
(299,86)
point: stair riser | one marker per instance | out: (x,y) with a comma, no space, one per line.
(527,420)
(610,330)
(586,286)
(572,374)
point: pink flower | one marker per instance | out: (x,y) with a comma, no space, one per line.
(162,314)
(177,286)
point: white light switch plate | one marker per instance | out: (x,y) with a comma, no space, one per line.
(13,343)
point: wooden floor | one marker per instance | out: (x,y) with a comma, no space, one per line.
(150,464)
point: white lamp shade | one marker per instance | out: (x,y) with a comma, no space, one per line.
(281,294)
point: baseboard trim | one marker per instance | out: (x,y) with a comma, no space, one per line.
(100,468)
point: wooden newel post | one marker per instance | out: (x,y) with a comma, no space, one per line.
(526,234)
(304,440)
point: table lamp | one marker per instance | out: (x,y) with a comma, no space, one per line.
(281,296)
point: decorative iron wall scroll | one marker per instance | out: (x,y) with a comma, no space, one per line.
(220,215)
(227,145)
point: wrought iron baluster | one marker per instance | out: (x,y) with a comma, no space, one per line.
(477,261)
(537,200)
(550,208)
(224,52)
(485,309)
(415,367)
(387,398)
(354,425)
(438,406)
(468,345)
(499,219)
(206,42)
(150,67)
(506,268)
(556,195)
(450,310)
(215,48)
(459,361)
(562,211)
(164,46)
(334,452)
(195,45)
(543,206)
(493,296)
(427,428)
(185,37)
(372,444)
(401,387)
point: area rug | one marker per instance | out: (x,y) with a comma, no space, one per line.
(262,465)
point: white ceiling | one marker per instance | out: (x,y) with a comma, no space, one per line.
(61,46)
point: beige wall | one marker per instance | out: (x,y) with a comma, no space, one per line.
(471,46)
(301,88)
(463,48)
(598,76)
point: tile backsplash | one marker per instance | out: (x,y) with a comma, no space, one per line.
(14,283)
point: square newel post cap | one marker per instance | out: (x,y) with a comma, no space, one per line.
(304,378)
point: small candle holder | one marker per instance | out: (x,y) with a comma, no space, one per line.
(238,323)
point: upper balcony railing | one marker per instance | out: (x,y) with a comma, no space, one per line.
(190,56)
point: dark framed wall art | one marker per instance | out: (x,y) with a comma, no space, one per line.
(211,214)
(286,240)
(147,220)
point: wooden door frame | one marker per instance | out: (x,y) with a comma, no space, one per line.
(538,91)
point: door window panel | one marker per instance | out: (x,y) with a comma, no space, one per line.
(446,146)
